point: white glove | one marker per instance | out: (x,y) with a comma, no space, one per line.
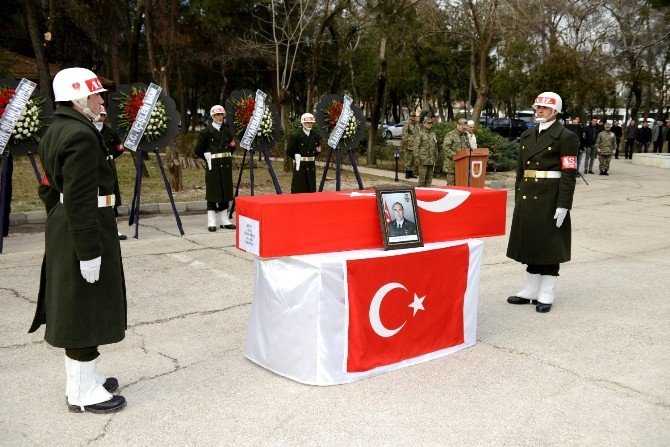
(560,216)
(208,157)
(90,270)
(297,161)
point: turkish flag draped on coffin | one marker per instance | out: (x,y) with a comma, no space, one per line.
(405,305)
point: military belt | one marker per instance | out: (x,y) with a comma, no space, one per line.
(222,155)
(307,158)
(530,173)
(103,201)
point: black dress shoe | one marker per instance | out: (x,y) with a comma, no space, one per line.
(229,226)
(518,300)
(116,403)
(111,384)
(543,308)
(591,172)
(122,237)
(211,228)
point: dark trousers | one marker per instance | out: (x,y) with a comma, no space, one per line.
(630,145)
(642,147)
(217,206)
(658,146)
(544,269)
(83,354)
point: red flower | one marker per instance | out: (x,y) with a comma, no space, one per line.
(6,95)
(243,112)
(333,112)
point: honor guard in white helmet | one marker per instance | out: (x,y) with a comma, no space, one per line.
(302,147)
(540,236)
(82,308)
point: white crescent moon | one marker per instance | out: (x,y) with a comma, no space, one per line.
(376,304)
(453,199)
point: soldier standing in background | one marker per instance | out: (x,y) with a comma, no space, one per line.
(410,137)
(114,148)
(82,296)
(631,131)
(590,134)
(427,151)
(605,147)
(545,184)
(618,132)
(215,145)
(453,143)
(303,146)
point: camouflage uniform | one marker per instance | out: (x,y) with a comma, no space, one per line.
(409,142)
(451,145)
(605,147)
(427,151)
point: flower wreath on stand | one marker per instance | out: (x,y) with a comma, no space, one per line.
(32,122)
(239,110)
(328,112)
(163,123)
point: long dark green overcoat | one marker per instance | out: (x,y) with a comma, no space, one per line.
(79,314)
(218,180)
(534,238)
(303,180)
(114,147)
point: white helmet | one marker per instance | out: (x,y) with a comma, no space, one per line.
(549,99)
(75,83)
(307,118)
(216,109)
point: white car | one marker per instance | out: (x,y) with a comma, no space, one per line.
(393,131)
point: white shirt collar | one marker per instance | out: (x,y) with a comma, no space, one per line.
(98,126)
(217,126)
(546,125)
(306,131)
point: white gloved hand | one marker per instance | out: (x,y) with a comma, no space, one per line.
(208,157)
(297,161)
(560,216)
(90,270)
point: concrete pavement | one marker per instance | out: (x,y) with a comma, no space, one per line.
(594,371)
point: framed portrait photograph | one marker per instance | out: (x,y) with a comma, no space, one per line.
(398,217)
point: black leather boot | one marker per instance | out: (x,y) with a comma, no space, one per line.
(518,300)
(116,403)
(542,308)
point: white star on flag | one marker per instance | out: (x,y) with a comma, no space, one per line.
(417,304)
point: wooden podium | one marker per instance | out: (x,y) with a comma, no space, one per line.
(478,158)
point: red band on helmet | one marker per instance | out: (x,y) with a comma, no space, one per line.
(545,100)
(569,162)
(93,84)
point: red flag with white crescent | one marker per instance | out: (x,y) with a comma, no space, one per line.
(405,305)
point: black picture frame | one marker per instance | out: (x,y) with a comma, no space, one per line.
(409,235)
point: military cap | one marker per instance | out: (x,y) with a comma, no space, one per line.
(412,113)
(428,119)
(462,121)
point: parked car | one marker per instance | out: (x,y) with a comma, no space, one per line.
(509,128)
(393,130)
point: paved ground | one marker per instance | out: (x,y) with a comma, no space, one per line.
(594,371)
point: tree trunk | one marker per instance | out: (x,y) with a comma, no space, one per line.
(381,88)
(450,108)
(113,44)
(134,43)
(284,99)
(174,167)
(38,48)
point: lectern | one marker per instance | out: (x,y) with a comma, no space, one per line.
(472,164)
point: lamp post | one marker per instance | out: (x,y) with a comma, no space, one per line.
(396,155)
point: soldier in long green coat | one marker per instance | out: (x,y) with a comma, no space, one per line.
(303,146)
(427,152)
(82,297)
(216,145)
(605,148)
(452,144)
(545,183)
(113,144)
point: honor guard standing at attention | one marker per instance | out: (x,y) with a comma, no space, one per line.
(427,151)
(82,297)
(114,148)
(605,147)
(409,142)
(545,183)
(453,143)
(216,145)
(303,146)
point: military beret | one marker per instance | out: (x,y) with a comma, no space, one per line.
(462,121)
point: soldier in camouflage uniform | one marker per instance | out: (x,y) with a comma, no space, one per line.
(605,147)
(452,144)
(410,139)
(427,151)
